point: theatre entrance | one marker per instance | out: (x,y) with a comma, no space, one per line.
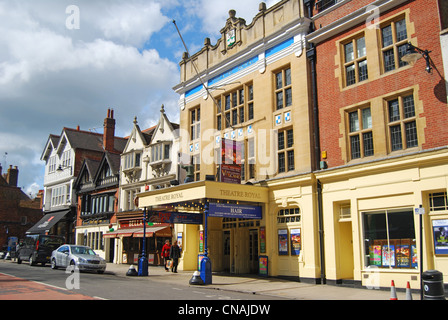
(240,246)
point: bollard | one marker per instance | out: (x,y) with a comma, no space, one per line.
(433,285)
(132,271)
(196,279)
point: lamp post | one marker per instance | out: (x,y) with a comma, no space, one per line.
(413,54)
(143,262)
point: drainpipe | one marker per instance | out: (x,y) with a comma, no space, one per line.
(311,56)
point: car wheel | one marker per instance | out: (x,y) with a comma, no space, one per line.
(100,271)
(53,264)
(32,263)
(72,266)
(19,261)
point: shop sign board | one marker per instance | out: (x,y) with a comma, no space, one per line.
(225,210)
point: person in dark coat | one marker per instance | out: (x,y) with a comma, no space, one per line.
(175,255)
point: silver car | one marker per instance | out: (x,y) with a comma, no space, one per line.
(81,257)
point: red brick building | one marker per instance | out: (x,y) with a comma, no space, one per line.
(17,211)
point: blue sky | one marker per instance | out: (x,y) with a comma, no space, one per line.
(123,54)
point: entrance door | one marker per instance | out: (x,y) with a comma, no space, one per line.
(253,250)
(226,251)
(111,249)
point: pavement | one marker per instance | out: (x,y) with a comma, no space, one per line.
(270,286)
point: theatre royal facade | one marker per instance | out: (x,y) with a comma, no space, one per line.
(248,95)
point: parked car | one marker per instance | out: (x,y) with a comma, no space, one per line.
(81,257)
(37,248)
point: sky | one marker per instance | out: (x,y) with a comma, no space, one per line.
(63,63)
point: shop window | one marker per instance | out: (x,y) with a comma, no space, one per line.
(438,201)
(283,89)
(355,61)
(360,133)
(402,124)
(394,39)
(389,238)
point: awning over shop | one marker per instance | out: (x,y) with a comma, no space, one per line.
(163,231)
(48,221)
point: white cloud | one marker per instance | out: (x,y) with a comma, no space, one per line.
(52,77)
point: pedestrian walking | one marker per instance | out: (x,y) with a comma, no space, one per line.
(175,255)
(166,254)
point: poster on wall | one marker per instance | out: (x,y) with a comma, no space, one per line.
(296,242)
(283,242)
(388,256)
(375,255)
(440,231)
(262,240)
(263,266)
(201,241)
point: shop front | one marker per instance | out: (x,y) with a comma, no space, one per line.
(382,219)
(225,221)
(128,239)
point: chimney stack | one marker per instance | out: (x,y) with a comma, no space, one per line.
(12,176)
(109,131)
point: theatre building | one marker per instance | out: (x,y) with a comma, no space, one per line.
(246,147)
(383,140)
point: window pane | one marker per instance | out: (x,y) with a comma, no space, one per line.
(354,121)
(250,116)
(362,70)
(401,225)
(349,53)
(361,47)
(278,80)
(408,107)
(242,114)
(290,160)
(290,138)
(288,97)
(287,77)
(402,50)
(395,137)
(394,110)
(251,92)
(411,134)
(281,140)
(389,60)
(400,28)
(368,144)
(350,75)
(227,102)
(366,118)
(279,100)
(355,147)
(281,162)
(234,116)
(386,33)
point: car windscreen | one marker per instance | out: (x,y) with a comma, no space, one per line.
(51,242)
(82,250)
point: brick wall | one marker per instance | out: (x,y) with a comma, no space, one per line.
(431,92)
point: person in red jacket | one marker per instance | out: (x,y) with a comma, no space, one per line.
(166,254)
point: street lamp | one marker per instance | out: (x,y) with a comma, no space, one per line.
(143,262)
(413,54)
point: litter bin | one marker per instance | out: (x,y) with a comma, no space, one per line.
(433,285)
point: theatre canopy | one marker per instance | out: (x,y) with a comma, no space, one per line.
(203,191)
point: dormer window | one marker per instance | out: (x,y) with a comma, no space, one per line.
(160,151)
(132,160)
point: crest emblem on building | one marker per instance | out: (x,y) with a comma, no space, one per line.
(231,38)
